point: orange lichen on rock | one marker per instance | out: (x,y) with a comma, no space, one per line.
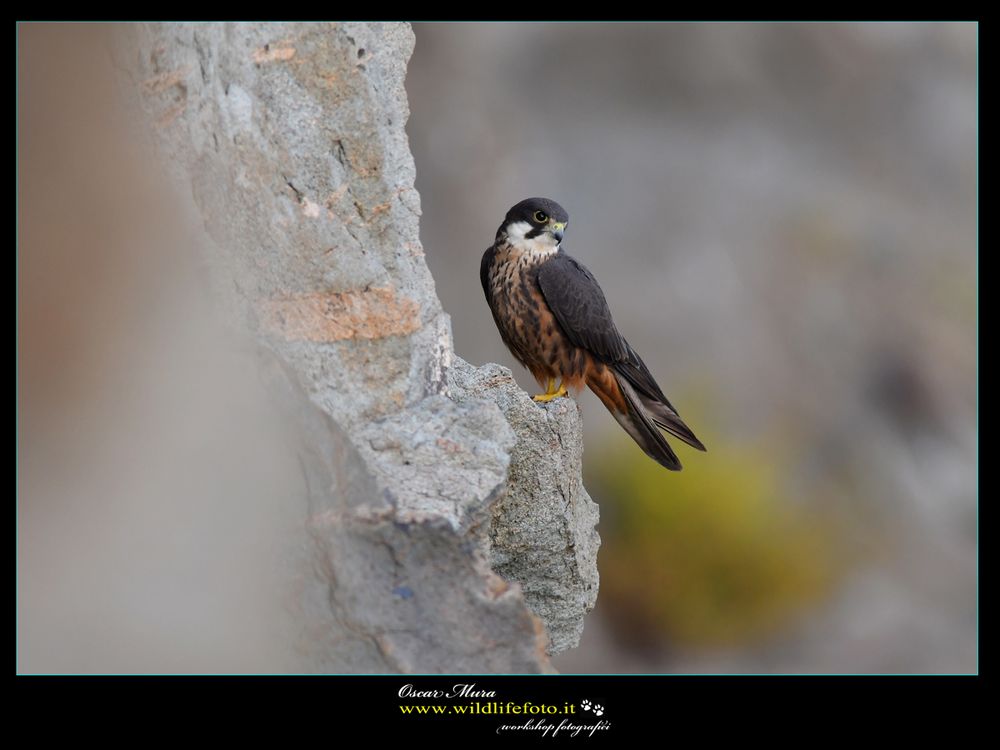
(371,313)
(164,81)
(169,115)
(269,53)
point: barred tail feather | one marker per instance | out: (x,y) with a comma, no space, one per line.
(661,411)
(666,418)
(627,408)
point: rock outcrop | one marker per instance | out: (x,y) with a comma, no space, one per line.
(448,529)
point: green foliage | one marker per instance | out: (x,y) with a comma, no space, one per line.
(710,555)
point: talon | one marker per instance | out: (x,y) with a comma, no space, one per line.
(551,392)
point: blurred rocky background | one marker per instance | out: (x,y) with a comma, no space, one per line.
(783,218)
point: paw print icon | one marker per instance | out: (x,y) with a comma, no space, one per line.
(597,708)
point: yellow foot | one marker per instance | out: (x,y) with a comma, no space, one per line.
(551,393)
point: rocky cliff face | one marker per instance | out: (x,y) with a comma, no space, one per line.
(446,525)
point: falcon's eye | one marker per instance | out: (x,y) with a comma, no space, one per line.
(541,217)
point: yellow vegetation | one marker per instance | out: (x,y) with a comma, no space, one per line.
(711,555)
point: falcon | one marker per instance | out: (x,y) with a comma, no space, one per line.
(553,317)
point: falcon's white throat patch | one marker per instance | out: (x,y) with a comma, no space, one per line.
(538,247)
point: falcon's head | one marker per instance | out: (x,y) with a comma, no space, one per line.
(535,225)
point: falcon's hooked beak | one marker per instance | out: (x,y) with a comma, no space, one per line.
(556,230)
